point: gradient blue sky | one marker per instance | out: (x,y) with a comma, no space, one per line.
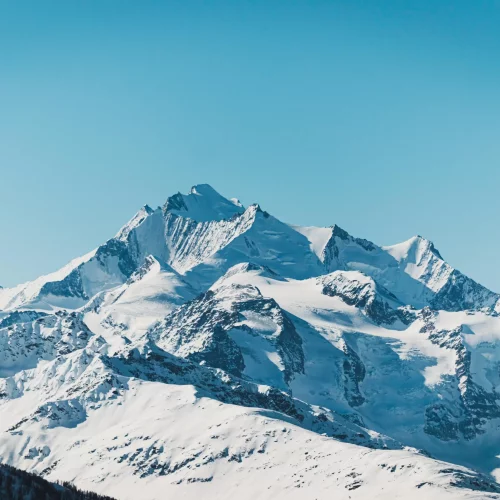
(382,116)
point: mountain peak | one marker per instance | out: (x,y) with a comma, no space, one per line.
(341,233)
(430,245)
(414,246)
(203,190)
(135,221)
(209,342)
(257,209)
(202,204)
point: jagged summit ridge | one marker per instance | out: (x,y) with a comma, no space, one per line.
(136,220)
(210,346)
(202,234)
(202,204)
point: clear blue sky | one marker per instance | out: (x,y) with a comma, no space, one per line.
(382,116)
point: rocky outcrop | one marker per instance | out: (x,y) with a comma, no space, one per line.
(466,415)
(23,316)
(201,329)
(23,345)
(358,290)
(354,373)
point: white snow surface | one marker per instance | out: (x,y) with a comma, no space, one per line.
(204,204)
(213,351)
(147,296)
(12,298)
(211,450)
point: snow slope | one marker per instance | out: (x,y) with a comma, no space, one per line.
(146,297)
(212,350)
(203,434)
(417,376)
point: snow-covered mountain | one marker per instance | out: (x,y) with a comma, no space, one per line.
(209,346)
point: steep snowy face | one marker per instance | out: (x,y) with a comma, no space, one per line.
(106,267)
(202,248)
(202,204)
(338,250)
(136,221)
(205,251)
(452,290)
(201,235)
(39,291)
(192,243)
(150,293)
(208,344)
(356,289)
(236,329)
(413,271)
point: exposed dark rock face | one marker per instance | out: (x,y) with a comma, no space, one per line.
(476,482)
(24,344)
(221,352)
(146,361)
(119,249)
(441,422)
(20,317)
(462,293)
(209,318)
(354,373)
(378,303)
(201,319)
(474,406)
(174,202)
(331,252)
(286,338)
(149,362)
(70,286)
